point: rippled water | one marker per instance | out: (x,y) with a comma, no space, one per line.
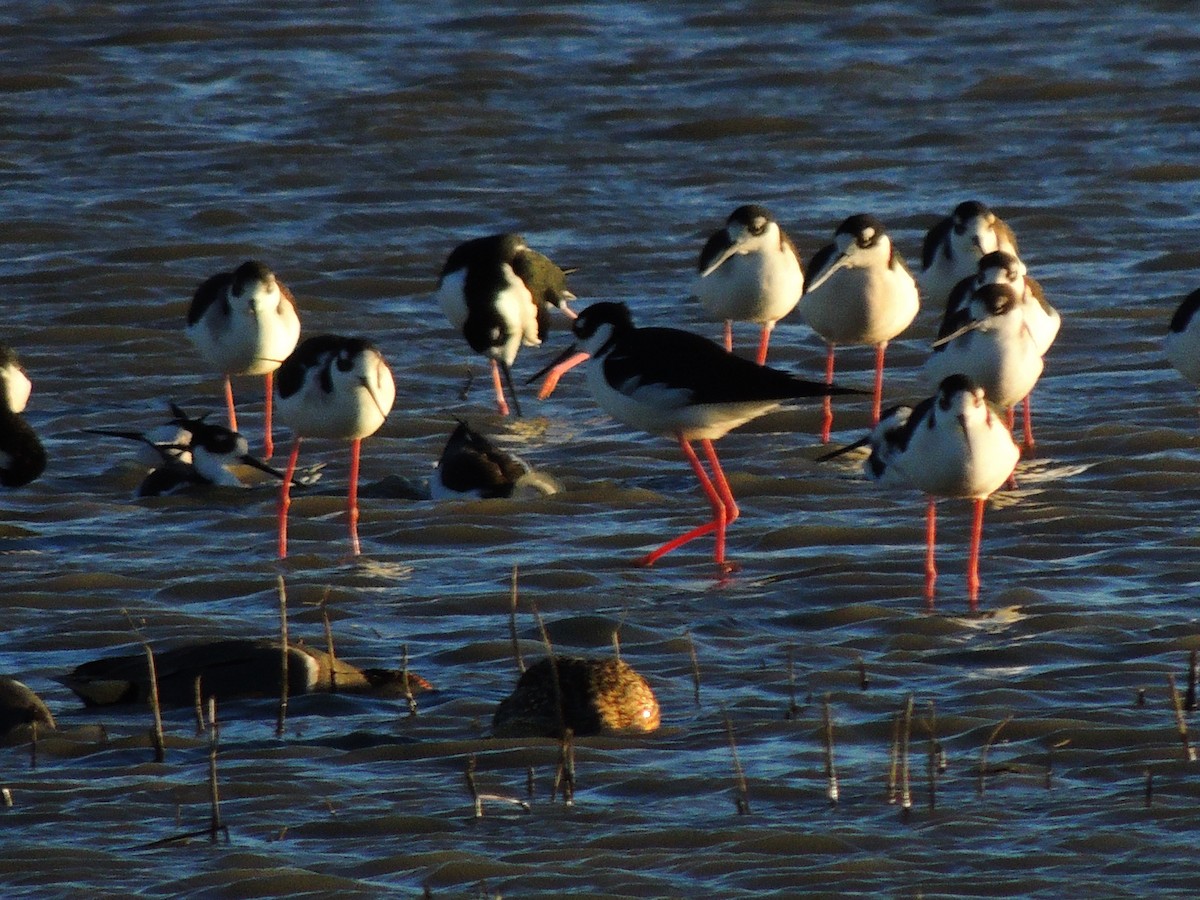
(145,146)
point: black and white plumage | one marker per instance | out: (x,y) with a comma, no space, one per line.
(1042,321)
(673,383)
(332,387)
(190,452)
(859,292)
(22,456)
(1182,343)
(953,444)
(244,322)
(989,341)
(499,294)
(471,466)
(953,247)
(749,272)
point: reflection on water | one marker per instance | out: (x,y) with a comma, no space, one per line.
(146,147)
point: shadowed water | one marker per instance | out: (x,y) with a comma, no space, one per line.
(147,146)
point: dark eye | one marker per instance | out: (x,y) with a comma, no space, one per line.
(223,443)
(758,226)
(344,362)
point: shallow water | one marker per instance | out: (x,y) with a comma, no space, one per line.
(146,146)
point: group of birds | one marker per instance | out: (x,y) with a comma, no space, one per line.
(996,327)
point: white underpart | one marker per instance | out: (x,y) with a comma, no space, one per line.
(260,333)
(862,300)
(450,297)
(1183,350)
(659,409)
(758,280)
(999,355)
(352,410)
(969,454)
(17,387)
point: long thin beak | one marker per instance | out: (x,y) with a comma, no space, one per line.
(567,360)
(838,263)
(512,388)
(367,387)
(833,454)
(255,463)
(725,254)
(970,326)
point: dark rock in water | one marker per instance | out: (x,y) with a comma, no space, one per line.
(19,706)
(230,669)
(598,696)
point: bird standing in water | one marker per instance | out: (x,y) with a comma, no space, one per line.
(676,384)
(244,322)
(953,247)
(749,272)
(950,445)
(332,387)
(499,293)
(859,292)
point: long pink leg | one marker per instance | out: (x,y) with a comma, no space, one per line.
(729,335)
(268,437)
(352,496)
(720,482)
(718,522)
(973,558)
(501,403)
(285,497)
(229,403)
(827,422)
(930,540)
(877,403)
(763,342)
(1028,426)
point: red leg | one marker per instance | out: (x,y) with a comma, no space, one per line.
(1012,417)
(718,522)
(763,342)
(827,422)
(501,403)
(285,497)
(229,403)
(1028,426)
(930,540)
(352,496)
(877,403)
(721,483)
(729,335)
(268,437)
(973,558)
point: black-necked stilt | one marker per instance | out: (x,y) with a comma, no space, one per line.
(674,383)
(859,292)
(1182,344)
(953,247)
(950,445)
(472,466)
(191,452)
(332,387)
(22,456)
(588,696)
(749,272)
(989,341)
(499,293)
(230,669)
(244,322)
(1041,319)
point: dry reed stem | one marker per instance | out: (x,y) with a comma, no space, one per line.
(894,760)
(329,647)
(33,743)
(474,791)
(742,797)
(215,826)
(1149,790)
(864,682)
(198,704)
(283,658)
(695,665)
(831,779)
(156,733)
(793,710)
(905,741)
(1189,752)
(1189,702)
(934,751)
(512,621)
(408,694)
(983,753)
